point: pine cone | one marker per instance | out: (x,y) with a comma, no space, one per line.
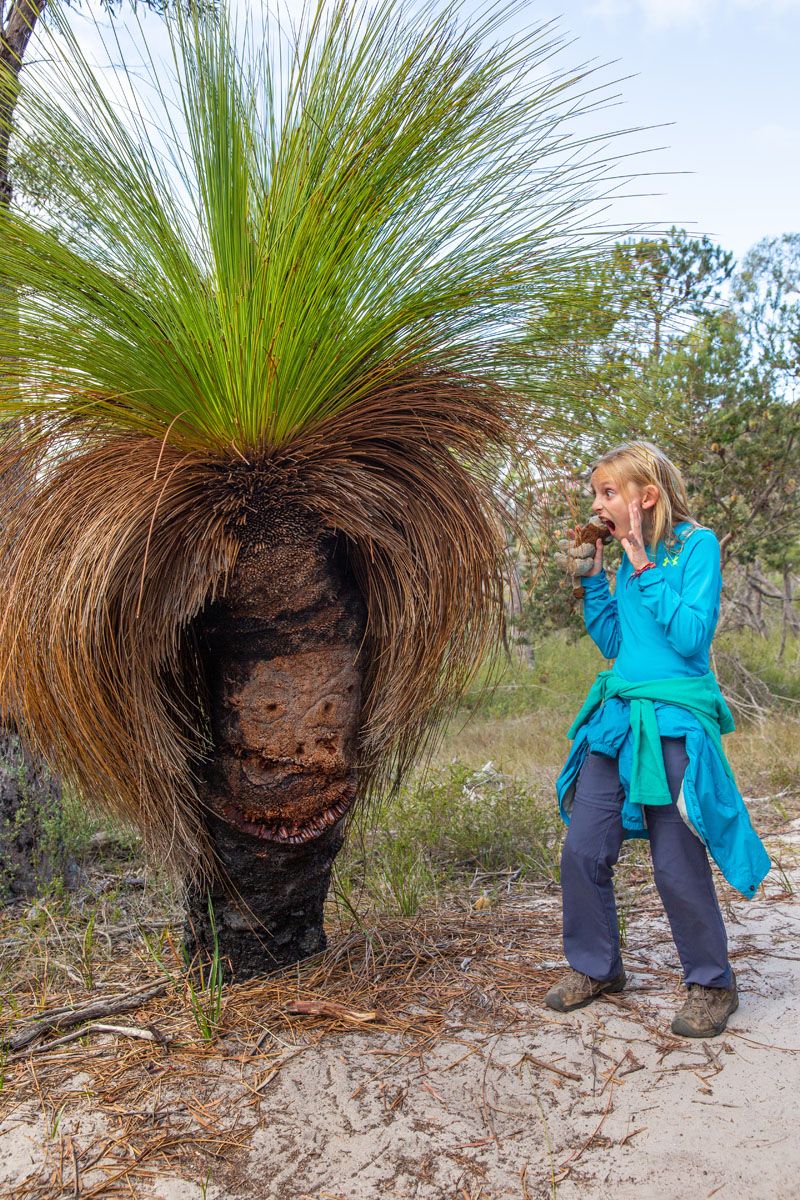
(587,535)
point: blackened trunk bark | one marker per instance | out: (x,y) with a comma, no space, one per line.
(282,657)
(273,915)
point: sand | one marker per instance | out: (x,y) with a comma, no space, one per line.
(599,1103)
(647,1116)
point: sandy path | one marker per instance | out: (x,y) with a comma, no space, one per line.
(595,1104)
(669,1117)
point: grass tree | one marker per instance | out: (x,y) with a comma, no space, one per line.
(32,850)
(262,403)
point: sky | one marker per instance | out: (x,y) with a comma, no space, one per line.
(723,76)
(713,87)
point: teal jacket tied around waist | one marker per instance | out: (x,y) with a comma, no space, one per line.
(700,695)
(661,628)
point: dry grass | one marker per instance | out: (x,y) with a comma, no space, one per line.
(522,725)
(765,757)
(169,1096)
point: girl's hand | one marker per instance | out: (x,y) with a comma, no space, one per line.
(633,544)
(597,565)
(579,559)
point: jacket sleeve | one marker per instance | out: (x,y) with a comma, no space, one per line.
(688,617)
(600,615)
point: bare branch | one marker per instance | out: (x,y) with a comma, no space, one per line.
(78,1016)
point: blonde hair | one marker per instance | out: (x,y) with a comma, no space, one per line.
(643,464)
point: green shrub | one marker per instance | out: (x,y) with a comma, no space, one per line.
(759,655)
(441,830)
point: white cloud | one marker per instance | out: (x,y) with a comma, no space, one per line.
(658,14)
(661,13)
(608,8)
(776,7)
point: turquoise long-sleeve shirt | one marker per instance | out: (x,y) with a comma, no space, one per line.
(659,627)
(661,624)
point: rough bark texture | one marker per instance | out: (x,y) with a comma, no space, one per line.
(282,659)
(16,29)
(32,852)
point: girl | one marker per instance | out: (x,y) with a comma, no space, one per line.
(647,759)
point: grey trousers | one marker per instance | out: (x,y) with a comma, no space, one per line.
(680,866)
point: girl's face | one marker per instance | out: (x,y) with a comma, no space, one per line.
(612,505)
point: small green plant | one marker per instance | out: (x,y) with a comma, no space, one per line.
(786,879)
(406,876)
(55,1120)
(204,984)
(201,980)
(154,944)
(347,887)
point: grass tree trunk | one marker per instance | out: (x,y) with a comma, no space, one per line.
(283,664)
(17,23)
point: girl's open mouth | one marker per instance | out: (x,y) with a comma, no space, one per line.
(609,524)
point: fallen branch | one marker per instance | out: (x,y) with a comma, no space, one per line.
(546,1066)
(328,1008)
(67,1019)
(132,1031)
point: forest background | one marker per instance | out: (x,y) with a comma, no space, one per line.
(672,340)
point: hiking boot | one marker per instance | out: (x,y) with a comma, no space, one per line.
(706,1010)
(573,990)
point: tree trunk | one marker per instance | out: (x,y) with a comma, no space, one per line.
(284,672)
(32,851)
(515,608)
(788,615)
(31,854)
(16,31)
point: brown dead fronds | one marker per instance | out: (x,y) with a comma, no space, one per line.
(106,556)
(112,545)
(409,475)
